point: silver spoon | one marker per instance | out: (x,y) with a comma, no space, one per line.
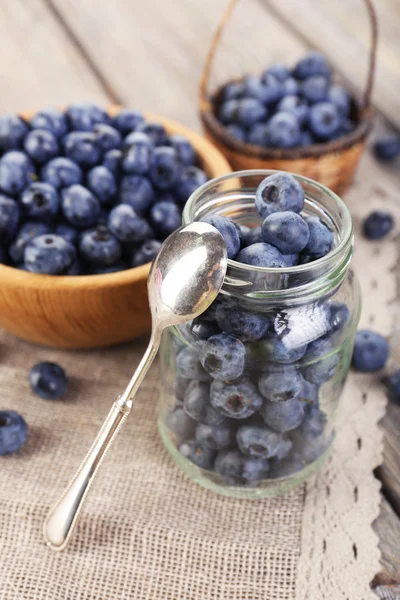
(184,279)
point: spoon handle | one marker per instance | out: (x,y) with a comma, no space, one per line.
(63,517)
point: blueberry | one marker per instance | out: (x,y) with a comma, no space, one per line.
(229,232)
(252,237)
(106,137)
(387,148)
(247,326)
(201,456)
(290,87)
(51,119)
(165,217)
(202,330)
(228,111)
(324,119)
(285,230)
(244,230)
(320,361)
(180,423)
(392,383)
(371,351)
(314,422)
(237,469)
(283,416)
(188,363)
(341,98)
(260,441)
(261,255)
(83,116)
(139,154)
(250,111)
(49,254)
(112,161)
(13,432)
(236,400)
(191,178)
(339,316)
(377,225)
(216,437)
(313,63)
(127,120)
(76,268)
(40,202)
(137,191)
(295,106)
(41,145)
(287,354)
(256,89)
(68,232)
(48,380)
(61,172)
(145,253)
(101,182)
(16,172)
(79,206)
(184,149)
(237,132)
(280,386)
(271,89)
(232,90)
(166,168)
(279,71)
(155,131)
(13,129)
(283,130)
(315,88)
(9,218)
(127,226)
(279,192)
(99,247)
(306,138)
(197,404)
(310,392)
(259,135)
(25,235)
(82,148)
(321,239)
(222,356)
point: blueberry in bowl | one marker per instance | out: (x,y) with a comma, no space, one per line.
(87,196)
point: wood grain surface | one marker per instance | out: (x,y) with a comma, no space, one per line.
(150,55)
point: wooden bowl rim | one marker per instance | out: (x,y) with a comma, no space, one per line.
(220,133)
(204,148)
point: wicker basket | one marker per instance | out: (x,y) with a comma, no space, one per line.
(332,163)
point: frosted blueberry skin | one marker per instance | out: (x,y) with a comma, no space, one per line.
(13,129)
(377,225)
(49,254)
(229,232)
(223,357)
(99,247)
(16,172)
(48,380)
(235,400)
(371,351)
(201,456)
(287,231)
(196,401)
(279,192)
(24,236)
(13,432)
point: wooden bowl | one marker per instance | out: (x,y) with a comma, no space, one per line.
(88,311)
(332,164)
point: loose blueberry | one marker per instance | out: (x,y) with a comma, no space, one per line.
(201,456)
(371,351)
(287,231)
(321,239)
(25,235)
(324,119)
(283,416)
(261,255)
(155,131)
(166,168)
(283,130)
(13,432)
(127,226)
(127,120)
(145,253)
(13,129)
(48,380)
(51,119)
(80,207)
(235,400)
(99,247)
(40,202)
(279,192)
(101,182)
(9,218)
(112,161)
(16,172)
(216,437)
(260,441)
(377,225)
(392,383)
(83,116)
(139,154)
(165,217)
(82,148)
(295,106)
(61,172)
(137,191)
(49,254)
(222,356)
(229,232)
(247,326)
(191,178)
(387,148)
(184,149)
(315,88)
(41,145)
(180,423)
(106,137)
(280,386)
(313,63)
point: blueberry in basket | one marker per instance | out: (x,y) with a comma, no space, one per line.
(84,193)
(290,107)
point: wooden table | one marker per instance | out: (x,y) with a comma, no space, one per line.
(149,55)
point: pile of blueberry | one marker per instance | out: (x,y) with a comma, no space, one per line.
(84,193)
(287,108)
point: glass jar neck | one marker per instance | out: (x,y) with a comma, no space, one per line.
(233,196)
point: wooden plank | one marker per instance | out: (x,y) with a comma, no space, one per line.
(40,66)
(341,30)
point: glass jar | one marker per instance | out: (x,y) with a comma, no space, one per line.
(264,421)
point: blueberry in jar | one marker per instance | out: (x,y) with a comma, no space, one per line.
(216,437)
(260,441)
(247,326)
(237,469)
(320,240)
(283,416)
(180,422)
(237,400)
(229,232)
(188,363)
(262,255)
(196,401)
(222,356)
(201,456)
(281,385)
(287,231)
(279,192)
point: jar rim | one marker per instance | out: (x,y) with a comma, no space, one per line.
(346,231)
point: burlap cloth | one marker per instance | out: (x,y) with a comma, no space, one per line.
(147,532)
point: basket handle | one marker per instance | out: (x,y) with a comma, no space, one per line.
(204,82)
